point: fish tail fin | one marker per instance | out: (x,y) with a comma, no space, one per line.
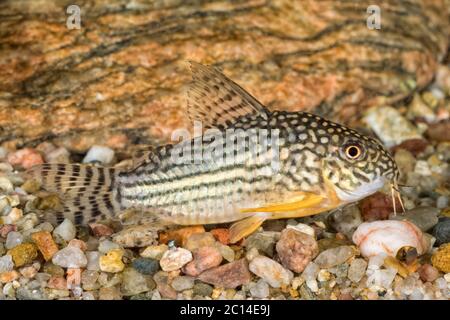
(88,193)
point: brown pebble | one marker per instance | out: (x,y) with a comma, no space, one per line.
(415,146)
(377,207)
(428,273)
(230,275)
(222,235)
(439,131)
(204,258)
(101,230)
(23,253)
(345,296)
(45,244)
(57,282)
(296,249)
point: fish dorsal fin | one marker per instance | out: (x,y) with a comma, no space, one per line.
(217,101)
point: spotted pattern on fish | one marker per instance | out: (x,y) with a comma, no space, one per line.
(310,152)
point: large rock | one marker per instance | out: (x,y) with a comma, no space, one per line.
(117,80)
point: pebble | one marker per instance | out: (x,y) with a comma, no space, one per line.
(80,244)
(107,245)
(346,220)
(424,218)
(93,260)
(182,283)
(13,216)
(89,280)
(357,270)
(202,289)
(439,131)
(101,230)
(335,256)
(23,254)
(59,155)
(13,239)
(180,236)
(73,278)
(6,263)
(66,230)
(101,154)
(230,275)
(57,282)
(5,229)
(381,278)
(227,253)
(137,236)
(259,289)
(377,207)
(28,272)
(146,265)
(25,157)
(162,284)
(441,258)
(304,228)
(112,261)
(154,252)
(263,241)
(198,240)
(428,273)
(9,276)
(70,257)
(442,231)
(134,282)
(109,293)
(296,249)
(204,258)
(45,243)
(6,185)
(175,259)
(222,235)
(54,270)
(390,126)
(271,271)
(310,275)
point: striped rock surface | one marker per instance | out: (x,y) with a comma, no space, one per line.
(118,80)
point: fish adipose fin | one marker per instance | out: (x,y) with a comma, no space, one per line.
(217,101)
(88,193)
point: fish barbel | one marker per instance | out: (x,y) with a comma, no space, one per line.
(249,165)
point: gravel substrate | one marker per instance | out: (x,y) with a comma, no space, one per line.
(362,251)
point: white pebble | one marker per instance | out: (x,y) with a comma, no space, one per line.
(13,239)
(66,230)
(301,227)
(175,259)
(107,245)
(6,263)
(101,154)
(70,257)
(93,260)
(6,185)
(271,271)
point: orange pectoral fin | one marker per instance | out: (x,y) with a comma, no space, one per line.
(301,200)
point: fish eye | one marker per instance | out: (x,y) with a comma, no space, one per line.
(352,151)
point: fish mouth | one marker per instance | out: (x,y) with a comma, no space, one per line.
(361,191)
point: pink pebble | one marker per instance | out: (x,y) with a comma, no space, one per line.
(25,157)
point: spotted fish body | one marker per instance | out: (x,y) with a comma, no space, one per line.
(289,164)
